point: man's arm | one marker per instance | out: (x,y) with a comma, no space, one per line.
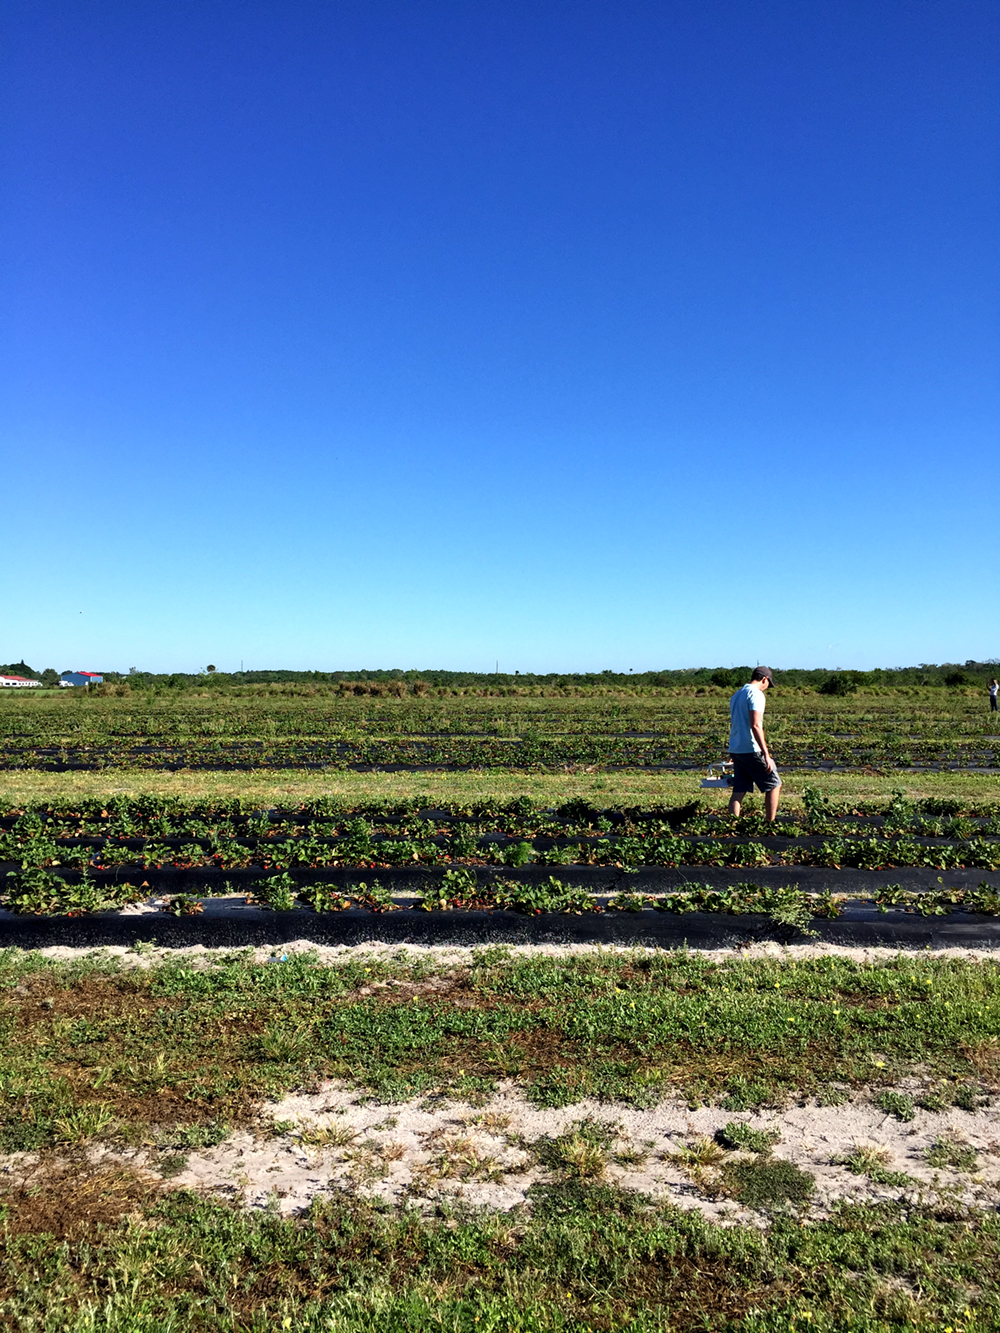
(757,731)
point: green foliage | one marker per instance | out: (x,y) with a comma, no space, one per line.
(550,896)
(183,904)
(840,683)
(375,897)
(39,891)
(586,1256)
(740,1137)
(215,721)
(324,897)
(872,1162)
(277,891)
(898,1104)
(456,888)
(516,854)
(952,1153)
(768,1182)
(747,1094)
(748,1032)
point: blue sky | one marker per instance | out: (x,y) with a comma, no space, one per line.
(568,336)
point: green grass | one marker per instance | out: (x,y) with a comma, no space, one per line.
(176,1056)
(176,1045)
(587,1257)
(286,786)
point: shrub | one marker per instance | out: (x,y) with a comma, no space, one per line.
(839,683)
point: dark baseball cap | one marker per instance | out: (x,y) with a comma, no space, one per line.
(763,673)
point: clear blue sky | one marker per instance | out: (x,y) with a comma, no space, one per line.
(569,335)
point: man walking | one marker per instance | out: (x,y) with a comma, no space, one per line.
(752,763)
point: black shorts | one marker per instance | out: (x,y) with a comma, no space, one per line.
(749,770)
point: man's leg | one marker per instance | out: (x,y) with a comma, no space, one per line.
(735,801)
(771,799)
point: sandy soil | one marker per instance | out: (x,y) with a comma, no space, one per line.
(456,956)
(431,1152)
(434,1153)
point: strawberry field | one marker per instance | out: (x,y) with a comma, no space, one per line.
(290,727)
(436,1131)
(932,857)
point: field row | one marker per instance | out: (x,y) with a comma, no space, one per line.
(459,753)
(461,889)
(220,734)
(160,816)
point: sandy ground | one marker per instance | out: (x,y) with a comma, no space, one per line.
(433,1153)
(448,956)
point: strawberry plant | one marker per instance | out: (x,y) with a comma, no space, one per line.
(516,854)
(551,896)
(456,888)
(277,891)
(182,904)
(375,898)
(324,897)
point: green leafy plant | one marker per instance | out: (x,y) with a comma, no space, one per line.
(550,896)
(740,1137)
(898,1104)
(40,891)
(464,841)
(279,892)
(324,897)
(873,1162)
(374,897)
(516,854)
(953,1154)
(456,888)
(629,902)
(83,1123)
(768,1182)
(182,904)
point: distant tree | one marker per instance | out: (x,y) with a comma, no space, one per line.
(731,677)
(19,669)
(842,682)
(50,677)
(210,668)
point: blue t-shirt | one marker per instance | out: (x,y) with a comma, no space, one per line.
(748,699)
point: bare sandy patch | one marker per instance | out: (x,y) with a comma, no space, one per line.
(450,956)
(432,1153)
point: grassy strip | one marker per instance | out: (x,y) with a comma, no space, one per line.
(173,1057)
(282,787)
(89,1050)
(589,1257)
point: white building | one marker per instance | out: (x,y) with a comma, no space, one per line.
(19,683)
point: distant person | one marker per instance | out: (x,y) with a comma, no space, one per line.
(994,687)
(752,763)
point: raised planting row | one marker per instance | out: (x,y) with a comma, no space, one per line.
(681,730)
(44,892)
(152,816)
(136,837)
